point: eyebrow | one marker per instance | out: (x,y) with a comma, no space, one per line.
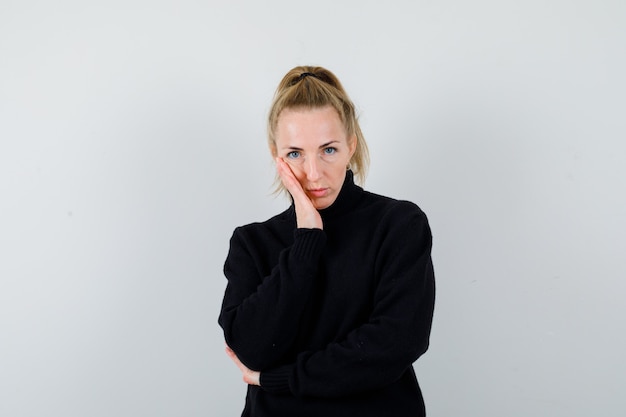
(295,148)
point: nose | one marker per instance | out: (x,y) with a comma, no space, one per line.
(312,170)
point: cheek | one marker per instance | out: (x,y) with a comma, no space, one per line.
(336,174)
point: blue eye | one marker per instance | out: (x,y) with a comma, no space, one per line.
(329,150)
(293,154)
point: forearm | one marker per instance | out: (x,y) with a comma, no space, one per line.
(260,318)
(356,365)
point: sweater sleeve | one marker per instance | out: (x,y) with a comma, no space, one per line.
(380,351)
(260,314)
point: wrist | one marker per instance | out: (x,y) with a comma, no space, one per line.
(277,379)
(309,222)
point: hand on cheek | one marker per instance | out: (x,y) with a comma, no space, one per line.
(307,215)
(288,178)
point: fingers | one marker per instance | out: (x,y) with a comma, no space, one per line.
(307,215)
(288,179)
(249,376)
(233,356)
(230,353)
(292,184)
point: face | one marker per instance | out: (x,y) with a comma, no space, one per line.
(315,145)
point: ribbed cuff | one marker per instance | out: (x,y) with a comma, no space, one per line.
(308,243)
(277,379)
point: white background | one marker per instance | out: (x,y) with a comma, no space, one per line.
(132,142)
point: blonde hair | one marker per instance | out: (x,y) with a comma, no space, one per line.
(314,87)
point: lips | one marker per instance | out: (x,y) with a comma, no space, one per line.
(318,192)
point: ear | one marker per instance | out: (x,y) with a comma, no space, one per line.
(352,142)
(273,150)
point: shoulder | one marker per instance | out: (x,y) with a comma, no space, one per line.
(399,226)
(387,207)
(260,243)
(394,219)
(276,225)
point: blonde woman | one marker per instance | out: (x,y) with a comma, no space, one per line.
(329,303)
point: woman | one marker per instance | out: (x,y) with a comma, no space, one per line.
(329,303)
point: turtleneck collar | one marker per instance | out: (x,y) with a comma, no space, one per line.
(346,200)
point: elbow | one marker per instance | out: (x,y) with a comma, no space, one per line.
(254,357)
(253,353)
(255,347)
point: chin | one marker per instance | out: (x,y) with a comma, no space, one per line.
(323,203)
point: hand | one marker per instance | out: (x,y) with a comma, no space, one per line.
(250,377)
(307,215)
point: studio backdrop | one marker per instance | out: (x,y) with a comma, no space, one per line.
(132,143)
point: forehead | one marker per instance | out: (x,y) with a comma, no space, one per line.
(309,125)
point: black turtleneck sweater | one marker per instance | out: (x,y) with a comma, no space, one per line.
(332,318)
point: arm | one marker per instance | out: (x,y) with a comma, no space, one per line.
(378,352)
(260,315)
